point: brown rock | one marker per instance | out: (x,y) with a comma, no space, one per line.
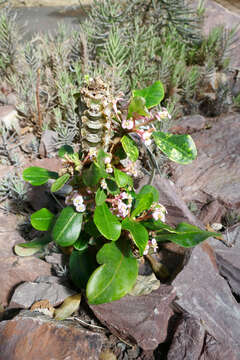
(14,270)
(213,350)
(215,173)
(48,141)
(139,319)
(188,340)
(228,257)
(52,164)
(189,124)
(212,213)
(35,337)
(8,235)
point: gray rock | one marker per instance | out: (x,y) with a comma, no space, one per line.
(48,142)
(33,336)
(189,124)
(28,293)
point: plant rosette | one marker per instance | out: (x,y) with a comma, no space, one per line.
(104,220)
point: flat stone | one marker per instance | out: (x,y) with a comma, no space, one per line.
(33,336)
(188,340)
(189,124)
(48,142)
(215,174)
(8,235)
(15,270)
(214,350)
(26,294)
(139,319)
(212,212)
(228,257)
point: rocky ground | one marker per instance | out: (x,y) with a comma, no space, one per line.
(194,316)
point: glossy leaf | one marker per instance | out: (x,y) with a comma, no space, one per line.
(150,189)
(186,235)
(153,94)
(116,275)
(112,187)
(137,106)
(60,182)
(122,179)
(82,242)
(100,197)
(65,149)
(21,251)
(67,227)
(178,148)
(93,174)
(144,202)
(68,307)
(38,176)
(138,232)
(37,243)
(81,266)
(42,219)
(91,229)
(158,225)
(107,223)
(101,155)
(130,148)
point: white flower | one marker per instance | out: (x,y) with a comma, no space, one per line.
(146,136)
(107,160)
(127,124)
(92,154)
(122,209)
(163,115)
(146,250)
(77,200)
(81,208)
(103,184)
(154,244)
(109,169)
(159,212)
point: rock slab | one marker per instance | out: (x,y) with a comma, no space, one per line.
(35,337)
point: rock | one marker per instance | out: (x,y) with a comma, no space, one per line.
(139,319)
(53,164)
(212,212)
(48,142)
(189,124)
(215,15)
(8,235)
(9,118)
(228,257)
(188,340)
(14,270)
(28,293)
(215,174)
(33,336)
(213,350)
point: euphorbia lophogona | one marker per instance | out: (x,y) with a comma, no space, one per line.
(106,223)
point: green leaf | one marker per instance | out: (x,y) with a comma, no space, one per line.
(116,276)
(137,106)
(178,148)
(112,187)
(130,148)
(144,202)
(153,94)
(37,243)
(93,174)
(138,232)
(100,197)
(146,189)
(122,179)
(65,149)
(20,251)
(91,229)
(60,182)
(158,225)
(101,155)
(68,307)
(186,235)
(67,227)
(81,266)
(38,176)
(107,223)
(82,242)
(42,219)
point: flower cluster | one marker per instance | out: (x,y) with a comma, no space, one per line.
(122,204)
(158,212)
(107,162)
(77,200)
(130,167)
(161,115)
(128,124)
